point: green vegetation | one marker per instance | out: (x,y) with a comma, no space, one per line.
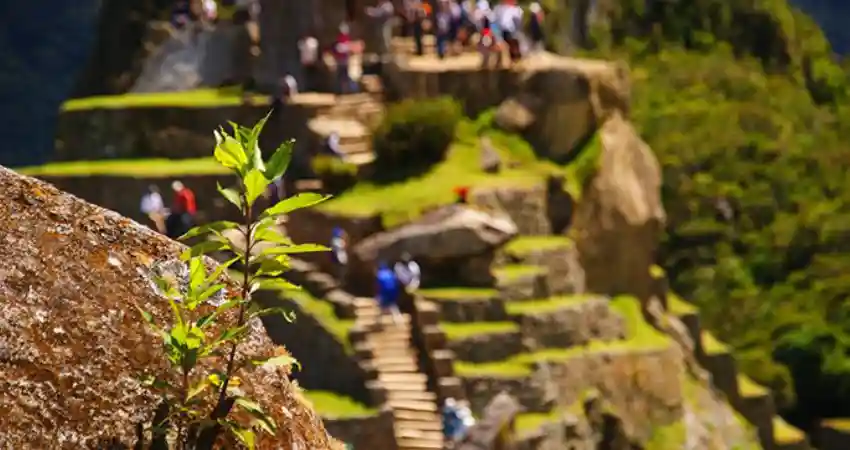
(405,200)
(323,312)
(330,405)
(580,170)
(513,272)
(679,307)
(641,335)
(783,433)
(842,424)
(749,388)
(414,135)
(458,293)
(460,331)
(744,106)
(530,422)
(529,307)
(199,98)
(668,437)
(133,168)
(336,175)
(712,346)
(209,314)
(525,245)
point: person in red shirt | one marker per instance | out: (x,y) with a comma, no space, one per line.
(462,194)
(342,50)
(182,215)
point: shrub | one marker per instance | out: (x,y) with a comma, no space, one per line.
(336,174)
(415,135)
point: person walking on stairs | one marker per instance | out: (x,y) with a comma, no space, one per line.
(183,210)
(339,253)
(535,27)
(414,14)
(342,55)
(408,273)
(388,292)
(509,18)
(153,207)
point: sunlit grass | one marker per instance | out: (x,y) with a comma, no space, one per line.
(331,405)
(131,168)
(197,98)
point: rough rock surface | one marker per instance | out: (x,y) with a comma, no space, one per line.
(455,243)
(618,221)
(72,344)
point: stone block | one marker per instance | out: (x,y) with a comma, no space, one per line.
(443,361)
(487,347)
(576,323)
(473,310)
(434,337)
(524,287)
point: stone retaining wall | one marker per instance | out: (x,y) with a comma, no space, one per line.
(372,432)
(571,326)
(564,276)
(487,347)
(528,208)
(325,363)
(834,434)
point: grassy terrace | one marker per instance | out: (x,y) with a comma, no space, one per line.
(783,433)
(323,312)
(199,98)
(545,305)
(530,422)
(459,331)
(679,307)
(404,201)
(712,346)
(524,245)
(513,272)
(330,405)
(458,293)
(749,388)
(642,336)
(132,168)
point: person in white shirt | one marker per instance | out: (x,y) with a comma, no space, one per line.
(384,14)
(153,207)
(509,18)
(210,10)
(308,50)
(408,273)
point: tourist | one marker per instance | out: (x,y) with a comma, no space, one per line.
(452,423)
(210,8)
(153,207)
(181,14)
(535,27)
(483,15)
(339,253)
(342,55)
(488,46)
(508,16)
(308,50)
(384,14)
(388,292)
(414,14)
(183,210)
(408,273)
(462,194)
(442,27)
(332,145)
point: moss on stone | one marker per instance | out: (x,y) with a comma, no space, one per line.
(524,245)
(842,424)
(513,272)
(458,293)
(545,305)
(585,165)
(330,405)
(132,168)
(459,331)
(507,369)
(657,272)
(678,306)
(668,437)
(527,423)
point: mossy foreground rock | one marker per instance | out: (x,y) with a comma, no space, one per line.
(72,344)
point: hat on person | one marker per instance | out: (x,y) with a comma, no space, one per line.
(534,7)
(177,186)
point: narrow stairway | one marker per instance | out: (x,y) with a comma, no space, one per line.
(417,421)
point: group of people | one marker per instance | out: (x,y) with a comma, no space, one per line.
(175,221)
(405,275)
(186,12)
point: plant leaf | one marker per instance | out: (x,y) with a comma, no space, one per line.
(207,319)
(279,361)
(219,226)
(296,202)
(203,248)
(271,234)
(244,435)
(198,388)
(276,284)
(292,249)
(231,195)
(272,267)
(219,271)
(279,161)
(255,185)
(197,275)
(229,152)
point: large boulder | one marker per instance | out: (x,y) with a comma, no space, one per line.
(455,243)
(619,217)
(72,343)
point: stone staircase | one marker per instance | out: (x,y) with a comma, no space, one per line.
(386,345)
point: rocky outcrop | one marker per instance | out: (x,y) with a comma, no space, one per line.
(72,344)
(449,243)
(619,219)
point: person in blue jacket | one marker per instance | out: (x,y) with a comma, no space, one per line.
(339,253)
(389,289)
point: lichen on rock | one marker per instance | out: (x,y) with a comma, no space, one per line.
(73,346)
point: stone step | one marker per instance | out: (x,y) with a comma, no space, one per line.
(420,444)
(393,351)
(416,416)
(399,386)
(424,425)
(399,367)
(384,359)
(412,405)
(411,433)
(404,377)
(421,396)
(362,145)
